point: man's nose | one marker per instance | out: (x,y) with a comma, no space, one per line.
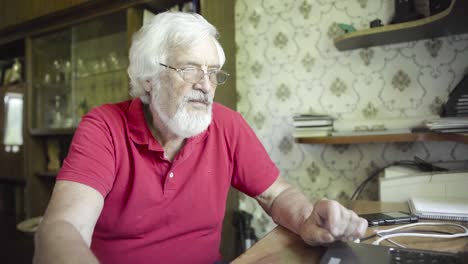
(205,84)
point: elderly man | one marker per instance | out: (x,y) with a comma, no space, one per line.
(146,180)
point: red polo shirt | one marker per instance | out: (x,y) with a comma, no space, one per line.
(155,210)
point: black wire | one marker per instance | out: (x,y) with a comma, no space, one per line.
(418,162)
(361,187)
(427,166)
(364,183)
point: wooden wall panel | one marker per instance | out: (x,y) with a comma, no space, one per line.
(221,14)
(11,164)
(19,11)
(2,15)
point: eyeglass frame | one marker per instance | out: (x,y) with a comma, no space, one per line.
(181,72)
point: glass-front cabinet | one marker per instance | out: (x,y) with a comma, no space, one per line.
(76,69)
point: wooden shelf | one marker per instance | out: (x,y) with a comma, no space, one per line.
(52,131)
(410,137)
(19,86)
(47,175)
(451,21)
(77,13)
(100,74)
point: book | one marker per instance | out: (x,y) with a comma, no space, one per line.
(311,116)
(447,123)
(312,120)
(312,123)
(381,123)
(440,208)
(452,130)
(305,134)
(314,131)
(314,128)
(457,98)
(371,132)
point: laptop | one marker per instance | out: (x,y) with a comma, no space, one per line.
(359,253)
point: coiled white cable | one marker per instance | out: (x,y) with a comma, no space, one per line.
(384,237)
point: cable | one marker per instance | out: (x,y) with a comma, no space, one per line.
(427,166)
(395,243)
(420,224)
(361,187)
(417,162)
(415,234)
(411,231)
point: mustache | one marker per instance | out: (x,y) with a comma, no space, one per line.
(198,96)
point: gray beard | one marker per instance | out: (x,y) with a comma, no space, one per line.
(184,123)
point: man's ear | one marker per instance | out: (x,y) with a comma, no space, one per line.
(147,85)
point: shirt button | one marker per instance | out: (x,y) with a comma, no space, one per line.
(171,175)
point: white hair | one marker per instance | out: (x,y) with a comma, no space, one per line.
(163,34)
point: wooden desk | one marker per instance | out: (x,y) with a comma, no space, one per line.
(283,246)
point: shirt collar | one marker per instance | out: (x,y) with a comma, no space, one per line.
(139,130)
(141,134)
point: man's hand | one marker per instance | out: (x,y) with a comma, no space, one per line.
(323,222)
(330,221)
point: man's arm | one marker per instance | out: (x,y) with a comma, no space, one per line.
(322,222)
(64,235)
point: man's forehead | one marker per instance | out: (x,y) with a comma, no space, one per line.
(198,63)
(197,59)
(204,53)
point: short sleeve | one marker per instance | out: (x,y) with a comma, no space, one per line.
(91,158)
(253,170)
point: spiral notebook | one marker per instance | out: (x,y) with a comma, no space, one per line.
(439,208)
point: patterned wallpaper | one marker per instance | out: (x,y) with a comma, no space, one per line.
(287,63)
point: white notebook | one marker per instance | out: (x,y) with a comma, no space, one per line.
(439,208)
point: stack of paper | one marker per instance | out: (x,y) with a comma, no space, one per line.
(448,125)
(440,208)
(310,125)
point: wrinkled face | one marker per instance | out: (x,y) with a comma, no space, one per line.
(183,106)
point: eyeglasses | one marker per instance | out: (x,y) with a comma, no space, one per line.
(194,75)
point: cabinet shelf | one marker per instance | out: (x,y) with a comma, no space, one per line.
(13,87)
(52,131)
(409,137)
(100,74)
(52,86)
(448,22)
(47,175)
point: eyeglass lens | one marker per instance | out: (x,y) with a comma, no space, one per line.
(195,75)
